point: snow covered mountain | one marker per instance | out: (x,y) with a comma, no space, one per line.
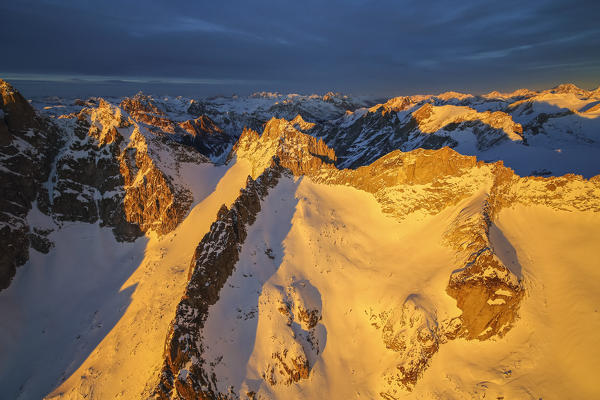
(286,246)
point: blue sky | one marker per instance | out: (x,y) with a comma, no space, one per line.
(353,46)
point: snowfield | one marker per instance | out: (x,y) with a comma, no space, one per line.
(359,264)
(356,263)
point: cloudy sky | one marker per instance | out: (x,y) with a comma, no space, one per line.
(354,46)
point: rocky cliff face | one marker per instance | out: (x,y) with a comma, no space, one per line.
(205,135)
(201,132)
(86,183)
(116,171)
(183,374)
(486,290)
(143,109)
(96,165)
(28,145)
(297,152)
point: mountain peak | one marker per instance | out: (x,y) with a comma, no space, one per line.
(394,104)
(6,88)
(453,95)
(300,124)
(18,113)
(566,88)
(509,95)
(296,150)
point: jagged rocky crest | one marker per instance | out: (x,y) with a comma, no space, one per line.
(184,374)
(116,172)
(200,132)
(28,145)
(96,165)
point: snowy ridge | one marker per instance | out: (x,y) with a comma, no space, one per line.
(212,263)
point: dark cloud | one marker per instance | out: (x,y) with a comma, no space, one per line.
(377,47)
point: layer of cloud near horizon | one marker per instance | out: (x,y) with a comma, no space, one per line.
(354,46)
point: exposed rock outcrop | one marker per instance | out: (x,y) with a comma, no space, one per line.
(96,165)
(293,328)
(86,183)
(395,104)
(486,290)
(28,145)
(142,109)
(289,362)
(205,135)
(154,200)
(411,330)
(569,88)
(202,132)
(114,171)
(392,178)
(183,375)
(296,151)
